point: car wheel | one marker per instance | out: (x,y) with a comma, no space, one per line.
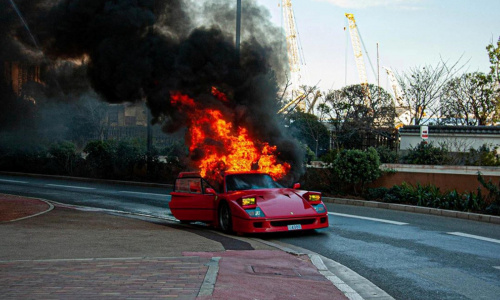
(225,218)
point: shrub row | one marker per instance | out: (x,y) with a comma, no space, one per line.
(431,196)
(428,196)
(120,160)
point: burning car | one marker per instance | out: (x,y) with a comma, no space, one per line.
(246,202)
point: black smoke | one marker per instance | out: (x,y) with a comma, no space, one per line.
(133,51)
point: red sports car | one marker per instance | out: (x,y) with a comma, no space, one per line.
(247,202)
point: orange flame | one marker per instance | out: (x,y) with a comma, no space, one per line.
(219,95)
(224,147)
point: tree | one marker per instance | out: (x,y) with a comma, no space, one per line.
(353,120)
(423,88)
(470,99)
(308,129)
(494,55)
(88,120)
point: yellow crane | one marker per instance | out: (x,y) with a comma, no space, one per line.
(293,51)
(358,56)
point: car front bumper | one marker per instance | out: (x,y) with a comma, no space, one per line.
(260,225)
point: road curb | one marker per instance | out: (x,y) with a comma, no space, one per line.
(416,209)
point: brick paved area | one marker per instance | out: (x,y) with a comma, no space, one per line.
(15,207)
(146,278)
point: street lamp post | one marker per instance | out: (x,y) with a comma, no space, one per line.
(238,27)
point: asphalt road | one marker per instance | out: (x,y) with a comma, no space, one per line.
(415,257)
(410,256)
(123,197)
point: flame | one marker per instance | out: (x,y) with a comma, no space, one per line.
(219,95)
(223,146)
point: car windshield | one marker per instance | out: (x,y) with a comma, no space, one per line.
(240,182)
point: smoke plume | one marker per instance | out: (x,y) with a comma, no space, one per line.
(134,51)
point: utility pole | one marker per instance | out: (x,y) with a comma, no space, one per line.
(378,71)
(238,27)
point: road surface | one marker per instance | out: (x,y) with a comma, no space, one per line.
(410,256)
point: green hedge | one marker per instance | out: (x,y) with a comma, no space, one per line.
(430,196)
(119,160)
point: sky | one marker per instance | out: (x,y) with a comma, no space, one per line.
(410,33)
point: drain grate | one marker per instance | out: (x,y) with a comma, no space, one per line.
(263,270)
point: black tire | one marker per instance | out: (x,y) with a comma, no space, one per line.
(225,218)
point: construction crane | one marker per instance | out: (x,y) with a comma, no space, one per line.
(313,102)
(403,112)
(398,93)
(358,55)
(293,51)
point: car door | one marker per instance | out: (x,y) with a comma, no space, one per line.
(191,202)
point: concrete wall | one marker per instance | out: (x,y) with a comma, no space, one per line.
(447,178)
(456,138)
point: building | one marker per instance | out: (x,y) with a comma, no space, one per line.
(127,115)
(17,74)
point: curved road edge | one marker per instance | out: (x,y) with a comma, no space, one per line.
(353,285)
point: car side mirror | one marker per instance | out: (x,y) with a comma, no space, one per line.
(210,191)
(296,186)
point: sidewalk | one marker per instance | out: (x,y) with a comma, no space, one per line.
(64,253)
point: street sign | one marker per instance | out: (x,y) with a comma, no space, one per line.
(424,132)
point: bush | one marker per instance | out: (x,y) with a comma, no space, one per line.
(127,157)
(430,196)
(330,156)
(376,193)
(323,180)
(483,156)
(124,160)
(63,158)
(357,167)
(99,159)
(25,158)
(493,198)
(427,154)
(399,194)
(387,156)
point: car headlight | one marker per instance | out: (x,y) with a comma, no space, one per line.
(248,201)
(314,198)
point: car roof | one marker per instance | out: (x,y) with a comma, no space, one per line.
(189,174)
(244,172)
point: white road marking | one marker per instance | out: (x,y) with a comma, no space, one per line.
(370,219)
(72,187)
(12,181)
(497,267)
(477,237)
(147,194)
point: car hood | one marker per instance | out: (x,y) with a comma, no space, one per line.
(282,203)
